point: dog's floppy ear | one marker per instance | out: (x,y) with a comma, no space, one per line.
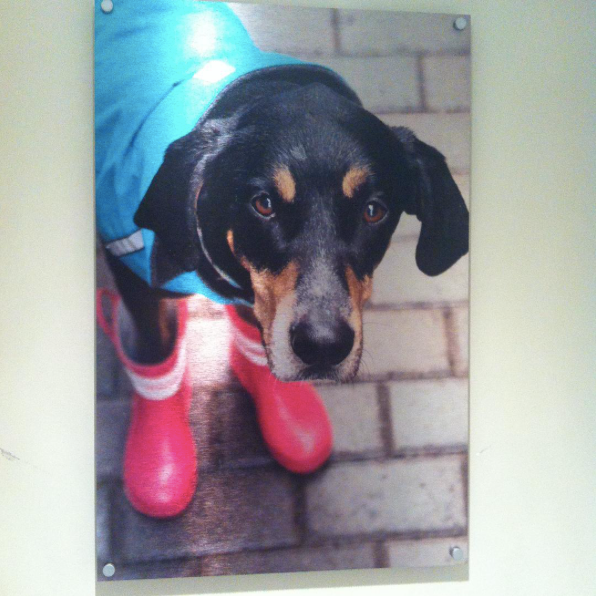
(169,205)
(436,201)
(168,209)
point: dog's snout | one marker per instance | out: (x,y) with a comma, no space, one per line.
(322,344)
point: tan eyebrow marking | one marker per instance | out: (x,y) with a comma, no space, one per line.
(354,178)
(285,184)
(230,239)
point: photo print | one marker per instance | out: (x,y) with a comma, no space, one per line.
(282,207)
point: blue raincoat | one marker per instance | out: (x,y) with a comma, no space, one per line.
(158,66)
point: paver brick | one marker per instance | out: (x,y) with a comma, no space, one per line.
(400,496)
(460,340)
(447,83)
(410,342)
(449,133)
(294,559)
(106,366)
(384,84)
(384,32)
(429,413)
(230,512)
(291,30)
(112,420)
(239,438)
(425,553)
(355,417)
(103,547)
(398,280)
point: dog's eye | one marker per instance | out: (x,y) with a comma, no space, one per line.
(374,212)
(263,204)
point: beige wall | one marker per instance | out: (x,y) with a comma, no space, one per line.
(533,335)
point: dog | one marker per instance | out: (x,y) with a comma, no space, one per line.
(282,199)
(286,196)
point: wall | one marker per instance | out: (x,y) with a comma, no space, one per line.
(533,340)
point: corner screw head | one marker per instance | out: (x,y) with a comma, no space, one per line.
(460,23)
(107,6)
(109,570)
(457,554)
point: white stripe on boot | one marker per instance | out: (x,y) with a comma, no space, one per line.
(156,388)
(251,350)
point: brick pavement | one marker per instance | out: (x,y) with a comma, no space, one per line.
(394,492)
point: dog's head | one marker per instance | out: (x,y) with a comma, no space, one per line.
(290,203)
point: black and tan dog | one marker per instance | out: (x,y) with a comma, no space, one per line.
(286,195)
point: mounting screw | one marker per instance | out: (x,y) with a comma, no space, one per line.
(457,554)
(107,6)
(460,23)
(109,570)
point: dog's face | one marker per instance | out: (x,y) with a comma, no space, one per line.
(295,199)
(311,218)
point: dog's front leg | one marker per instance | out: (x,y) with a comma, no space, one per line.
(148,330)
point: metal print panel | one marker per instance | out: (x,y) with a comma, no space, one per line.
(282,271)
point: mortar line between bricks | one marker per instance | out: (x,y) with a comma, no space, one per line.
(335,28)
(300,516)
(466,485)
(396,454)
(311,544)
(415,306)
(457,111)
(403,376)
(380,555)
(385,419)
(359,537)
(440,375)
(421,453)
(410,376)
(402,53)
(113,546)
(420,80)
(450,336)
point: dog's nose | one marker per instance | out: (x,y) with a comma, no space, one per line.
(322,344)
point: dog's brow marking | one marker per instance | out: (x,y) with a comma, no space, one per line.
(285,184)
(230,239)
(353,179)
